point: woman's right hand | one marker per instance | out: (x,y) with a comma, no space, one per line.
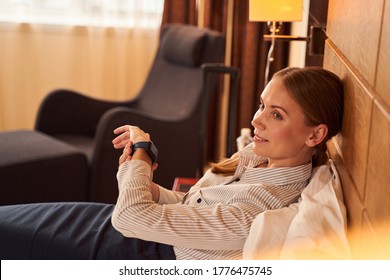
(129,133)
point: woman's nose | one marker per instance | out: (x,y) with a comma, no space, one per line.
(258,120)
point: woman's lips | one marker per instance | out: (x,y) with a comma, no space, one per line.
(257,138)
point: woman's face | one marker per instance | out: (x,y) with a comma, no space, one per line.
(281,134)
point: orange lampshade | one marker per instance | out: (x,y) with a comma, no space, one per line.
(275,10)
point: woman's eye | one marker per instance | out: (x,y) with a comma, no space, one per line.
(261,106)
(277,116)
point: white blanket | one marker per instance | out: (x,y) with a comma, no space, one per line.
(313,228)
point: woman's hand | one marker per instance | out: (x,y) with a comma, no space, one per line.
(126,155)
(129,133)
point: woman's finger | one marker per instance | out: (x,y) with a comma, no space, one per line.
(137,134)
(121,141)
(121,129)
(132,133)
(126,154)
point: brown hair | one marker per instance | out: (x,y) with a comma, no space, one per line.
(320,95)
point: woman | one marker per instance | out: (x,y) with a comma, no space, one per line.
(299,110)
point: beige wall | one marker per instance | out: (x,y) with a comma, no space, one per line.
(358,49)
(101,62)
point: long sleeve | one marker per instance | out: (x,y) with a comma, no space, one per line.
(202,224)
(169,197)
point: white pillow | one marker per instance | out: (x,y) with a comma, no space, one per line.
(313,228)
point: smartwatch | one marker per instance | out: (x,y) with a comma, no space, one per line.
(148,146)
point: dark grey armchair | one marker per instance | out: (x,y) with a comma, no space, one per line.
(168,107)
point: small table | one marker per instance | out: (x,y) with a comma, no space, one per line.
(184,184)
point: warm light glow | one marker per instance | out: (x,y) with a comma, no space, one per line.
(275,10)
(363,243)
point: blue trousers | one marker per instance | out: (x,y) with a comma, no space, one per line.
(64,231)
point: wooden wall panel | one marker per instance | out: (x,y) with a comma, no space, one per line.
(352,200)
(355,132)
(383,75)
(343,147)
(354,137)
(354,26)
(378,176)
(358,50)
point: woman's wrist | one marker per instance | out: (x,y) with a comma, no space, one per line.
(155,191)
(142,154)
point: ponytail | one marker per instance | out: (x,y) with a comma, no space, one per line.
(320,155)
(226,167)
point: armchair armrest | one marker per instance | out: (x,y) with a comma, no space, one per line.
(67,112)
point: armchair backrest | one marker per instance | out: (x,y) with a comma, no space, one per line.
(173,88)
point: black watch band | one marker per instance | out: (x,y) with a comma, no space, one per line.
(148,146)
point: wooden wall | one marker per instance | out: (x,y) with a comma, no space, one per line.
(358,49)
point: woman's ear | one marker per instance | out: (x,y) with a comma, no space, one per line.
(319,133)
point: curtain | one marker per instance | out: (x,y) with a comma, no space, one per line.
(180,11)
(107,13)
(96,58)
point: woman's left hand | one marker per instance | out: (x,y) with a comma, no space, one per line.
(129,136)
(126,155)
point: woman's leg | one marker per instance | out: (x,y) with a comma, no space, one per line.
(69,231)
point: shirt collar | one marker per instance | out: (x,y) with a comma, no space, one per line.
(279,175)
(272,175)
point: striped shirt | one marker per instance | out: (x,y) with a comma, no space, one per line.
(213,219)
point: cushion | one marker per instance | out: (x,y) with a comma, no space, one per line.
(313,228)
(183,44)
